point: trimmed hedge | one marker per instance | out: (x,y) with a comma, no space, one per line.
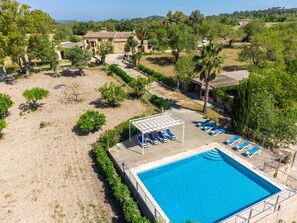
(118,71)
(159,76)
(120,191)
(160,102)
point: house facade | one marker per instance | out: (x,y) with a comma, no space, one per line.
(92,41)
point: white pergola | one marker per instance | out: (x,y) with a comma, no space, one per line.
(155,123)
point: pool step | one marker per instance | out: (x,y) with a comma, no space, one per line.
(214,155)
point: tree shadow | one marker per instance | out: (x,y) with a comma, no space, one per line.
(70,73)
(78,131)
(24,107)
(232,68)
(99,103)
(108,195)
(162,61)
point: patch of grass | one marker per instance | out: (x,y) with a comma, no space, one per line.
(231,61)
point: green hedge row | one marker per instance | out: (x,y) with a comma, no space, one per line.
(118,71)
(160,77)
(160,102)
(120,191)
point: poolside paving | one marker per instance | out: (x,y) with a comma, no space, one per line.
(130,153)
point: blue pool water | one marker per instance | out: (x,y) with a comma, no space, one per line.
(207,187)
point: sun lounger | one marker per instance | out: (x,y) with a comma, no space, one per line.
(201,124)
(242,146)
(250,153)
(152,139)
(170,135)
(210,127)
(232,140)
(161,137)
(217,131)
(142,142)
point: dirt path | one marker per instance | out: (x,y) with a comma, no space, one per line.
(46,174)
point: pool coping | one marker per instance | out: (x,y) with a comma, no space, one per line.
(192,152)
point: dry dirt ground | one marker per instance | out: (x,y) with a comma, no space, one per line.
(46,174)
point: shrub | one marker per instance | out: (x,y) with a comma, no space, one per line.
(119,72)
(91,121)
(139,85)
(160,77)
(5,104)
(112,94)
(3,124)
(35,94)
(160,102)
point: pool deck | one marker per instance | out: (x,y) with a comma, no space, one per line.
(130,153)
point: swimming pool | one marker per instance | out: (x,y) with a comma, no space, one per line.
(207,187)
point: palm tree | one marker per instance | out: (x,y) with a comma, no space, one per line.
(142,34)
(208,65)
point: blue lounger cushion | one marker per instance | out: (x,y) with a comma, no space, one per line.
(162,137)
(169,134)
(201,124)
(232,140)
(152,139)
(243,145)
(142,142)
(250,153)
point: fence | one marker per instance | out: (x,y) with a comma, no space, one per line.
(140,193)
(271,204)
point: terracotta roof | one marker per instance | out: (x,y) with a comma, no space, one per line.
(101,34)
(67,45)
(226,79)
(123,35)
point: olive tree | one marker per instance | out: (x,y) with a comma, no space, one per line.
(35,94)
(79,58)
(91,121)
(112,94)
(5,104)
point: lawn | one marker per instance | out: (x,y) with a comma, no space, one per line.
(164,62)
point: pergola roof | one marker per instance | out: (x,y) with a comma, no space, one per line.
(156,122)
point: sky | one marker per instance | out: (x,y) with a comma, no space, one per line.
(98,10)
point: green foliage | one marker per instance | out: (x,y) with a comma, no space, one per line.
(80,28)
(119,72)
(79,58)
(74,39)
(222,92)
(3,124)
(153,43)
(184,69)
(212,29)
(63,32)
(91,121)
(160,102)
(120,190)
(35,94)
(208,65)
(160,77)
(104,49)
(131,44)
(267,104)
(139,84)
(255,26)
(136,58)
(5,104)
(181,38)
(142,33)
(112,94)
(40,23)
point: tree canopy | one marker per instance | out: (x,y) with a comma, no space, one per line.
(79,58)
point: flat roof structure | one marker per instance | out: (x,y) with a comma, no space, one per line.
(155,123)
(226,79)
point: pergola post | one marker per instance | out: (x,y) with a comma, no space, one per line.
(142,138)
(183,139)
(130,131)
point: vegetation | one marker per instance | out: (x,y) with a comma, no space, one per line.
(112,94)
(5,104)
(139,85)
(184,69)
(160,102)
(208,65)
(3,125)
(91,121)
(160,77)
(119,72)
(35,94)
(79,58)
(104,49)
(130,45)
(120,191)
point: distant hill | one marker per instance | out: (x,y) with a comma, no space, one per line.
(152,17)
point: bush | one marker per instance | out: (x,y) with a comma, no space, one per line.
(112,94)
(139,85)
(91,121)
(120,191)
(3,124)
(160,102)
(35,94)
(5,104)
(119,72)
(160,77)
